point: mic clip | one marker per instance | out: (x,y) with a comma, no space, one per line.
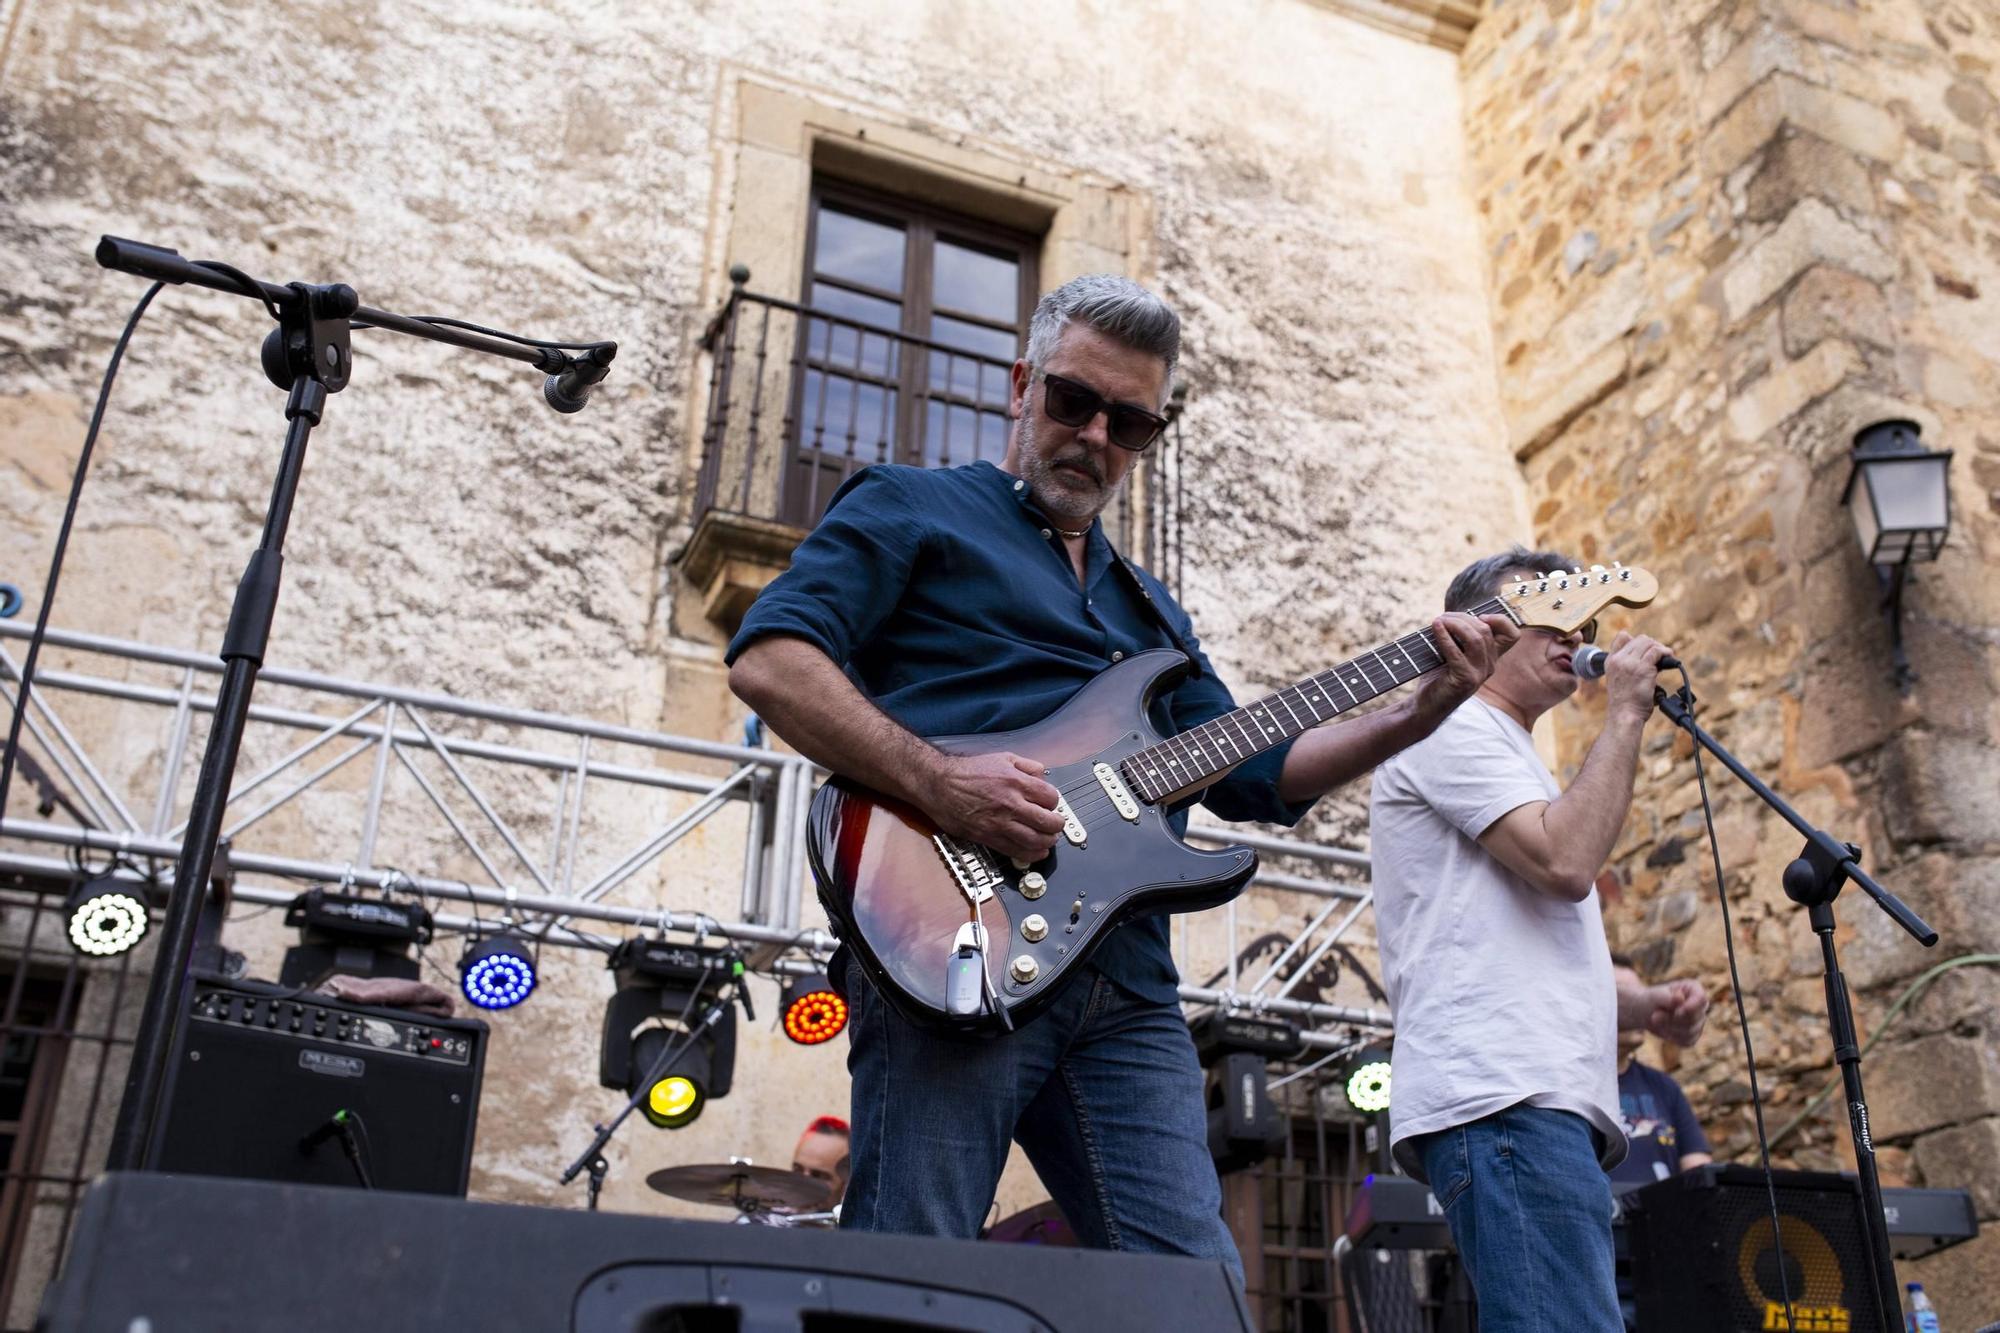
(568,387)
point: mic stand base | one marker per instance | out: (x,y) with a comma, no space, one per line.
(1814,880)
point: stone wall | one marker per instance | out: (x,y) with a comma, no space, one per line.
(1722,238)
(566,170)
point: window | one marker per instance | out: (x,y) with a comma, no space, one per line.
(919,315)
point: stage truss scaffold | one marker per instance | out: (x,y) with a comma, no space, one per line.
(320,731)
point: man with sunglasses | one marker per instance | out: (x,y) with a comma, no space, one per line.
(977,599)
(1507,1011)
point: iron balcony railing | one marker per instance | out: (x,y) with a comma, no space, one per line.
(798,399)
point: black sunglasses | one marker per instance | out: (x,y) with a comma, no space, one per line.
(1071,404)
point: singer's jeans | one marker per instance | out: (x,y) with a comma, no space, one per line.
(1102,1091)
(1530,1211)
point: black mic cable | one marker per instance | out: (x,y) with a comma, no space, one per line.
(1686,693)
(27,680)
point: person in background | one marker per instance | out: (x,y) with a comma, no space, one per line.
(1660,1127)
(822,1153)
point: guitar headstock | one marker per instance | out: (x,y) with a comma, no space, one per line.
(1562,600)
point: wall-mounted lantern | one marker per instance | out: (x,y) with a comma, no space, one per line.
(1899,494)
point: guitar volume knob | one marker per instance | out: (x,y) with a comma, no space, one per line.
(1024,969)
(1034,929)
(1033,885)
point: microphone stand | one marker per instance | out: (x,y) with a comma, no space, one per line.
(1813,881)
(307,354)
(592,1158)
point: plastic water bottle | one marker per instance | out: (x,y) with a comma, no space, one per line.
(1920,1317)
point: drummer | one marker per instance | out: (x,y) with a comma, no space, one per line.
(822,1153)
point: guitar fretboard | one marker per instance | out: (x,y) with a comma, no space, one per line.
(1222,743)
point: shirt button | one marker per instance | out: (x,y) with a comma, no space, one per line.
(1019,484)
(1046,534)
(1118,657)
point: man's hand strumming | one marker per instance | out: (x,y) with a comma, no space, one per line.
(998,800)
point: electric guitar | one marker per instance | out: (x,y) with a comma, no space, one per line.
(957,936)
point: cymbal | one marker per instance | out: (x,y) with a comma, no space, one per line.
(739,1185)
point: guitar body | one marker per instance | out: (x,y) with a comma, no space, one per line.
(894,896)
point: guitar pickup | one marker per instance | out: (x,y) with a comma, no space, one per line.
(1072,827)
(1114,787)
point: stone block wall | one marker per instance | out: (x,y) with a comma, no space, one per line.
(568,169)
(1723,237)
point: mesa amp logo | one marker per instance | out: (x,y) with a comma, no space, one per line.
(1811,1272)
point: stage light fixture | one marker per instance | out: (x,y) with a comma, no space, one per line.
(497,972)
(351,935)
(814,1011)
(1368,1087)
(677,1097)
(106,917)
(664,992)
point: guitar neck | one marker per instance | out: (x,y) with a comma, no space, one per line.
(1220,744)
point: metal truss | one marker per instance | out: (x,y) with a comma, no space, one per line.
(431,737)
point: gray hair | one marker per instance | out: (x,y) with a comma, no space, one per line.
(1482,578)
(1116,307)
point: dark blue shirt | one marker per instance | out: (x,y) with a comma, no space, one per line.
(951,601)
(1659,1125)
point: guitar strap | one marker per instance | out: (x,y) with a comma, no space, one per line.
(1158,612)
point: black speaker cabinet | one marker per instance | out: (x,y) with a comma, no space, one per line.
(261,1070)
(239,1256)
(1704,1257)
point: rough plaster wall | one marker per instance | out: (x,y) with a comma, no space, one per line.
(1725,236)
(552,168)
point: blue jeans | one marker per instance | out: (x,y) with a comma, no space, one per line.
(1102,1091)
(1530,1211)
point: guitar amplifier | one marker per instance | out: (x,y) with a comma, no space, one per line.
(260,1070)
(1703,1255)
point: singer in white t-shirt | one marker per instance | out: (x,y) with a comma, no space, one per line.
(1505,1098)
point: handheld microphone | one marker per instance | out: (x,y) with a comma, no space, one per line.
(569,390)
(1588,662)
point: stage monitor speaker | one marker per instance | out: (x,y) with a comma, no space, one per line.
(1703,1256)
(184,1252)
(260,1070)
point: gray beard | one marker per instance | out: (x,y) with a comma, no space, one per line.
(1051,489)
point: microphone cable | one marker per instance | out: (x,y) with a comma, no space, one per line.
(27,680)
(1686,694)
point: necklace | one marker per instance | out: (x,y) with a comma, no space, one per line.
(1073,535)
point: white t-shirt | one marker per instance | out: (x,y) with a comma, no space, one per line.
(1501,993)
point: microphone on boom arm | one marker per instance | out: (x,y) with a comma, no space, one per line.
(1587,662)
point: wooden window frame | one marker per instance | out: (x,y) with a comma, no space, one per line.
(923,225)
